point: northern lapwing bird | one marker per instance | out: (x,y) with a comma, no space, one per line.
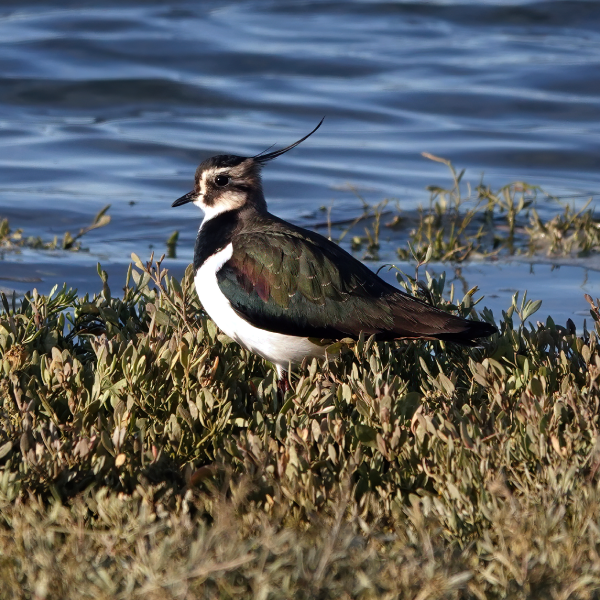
(275,288)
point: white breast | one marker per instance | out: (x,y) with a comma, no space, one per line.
(277,348)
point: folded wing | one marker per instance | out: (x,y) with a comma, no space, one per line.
(302,284)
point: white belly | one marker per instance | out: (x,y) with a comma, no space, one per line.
(277,348)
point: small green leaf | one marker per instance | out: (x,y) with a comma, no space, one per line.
(137,261)
(5,449)
(366,435)
(532,307)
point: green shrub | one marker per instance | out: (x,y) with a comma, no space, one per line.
(144,453)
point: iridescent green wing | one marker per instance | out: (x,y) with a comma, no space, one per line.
(301,284)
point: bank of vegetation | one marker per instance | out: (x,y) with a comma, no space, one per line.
(145,454)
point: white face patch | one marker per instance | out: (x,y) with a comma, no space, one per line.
(202,185)
(226,199)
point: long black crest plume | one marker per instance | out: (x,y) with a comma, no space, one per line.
(263,158)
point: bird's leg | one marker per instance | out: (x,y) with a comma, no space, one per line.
(283,384)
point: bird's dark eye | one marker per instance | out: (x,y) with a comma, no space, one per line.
(222,180)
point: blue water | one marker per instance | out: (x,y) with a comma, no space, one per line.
(117,105)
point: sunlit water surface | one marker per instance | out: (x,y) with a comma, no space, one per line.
(117,105)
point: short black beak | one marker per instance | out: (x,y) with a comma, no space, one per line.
(189,197)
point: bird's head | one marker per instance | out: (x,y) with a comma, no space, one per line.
(227,182)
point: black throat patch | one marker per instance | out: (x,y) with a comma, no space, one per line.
(215,235)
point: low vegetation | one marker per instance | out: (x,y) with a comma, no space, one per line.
(464,222)
(144,454)
(12,240)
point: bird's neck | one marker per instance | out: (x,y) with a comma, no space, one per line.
(214,235)
(217,230)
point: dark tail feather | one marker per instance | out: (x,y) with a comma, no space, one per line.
(414,319)
(473,331)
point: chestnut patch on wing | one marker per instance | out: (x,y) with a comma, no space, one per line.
(253,277)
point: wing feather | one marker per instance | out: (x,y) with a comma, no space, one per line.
(302,284)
